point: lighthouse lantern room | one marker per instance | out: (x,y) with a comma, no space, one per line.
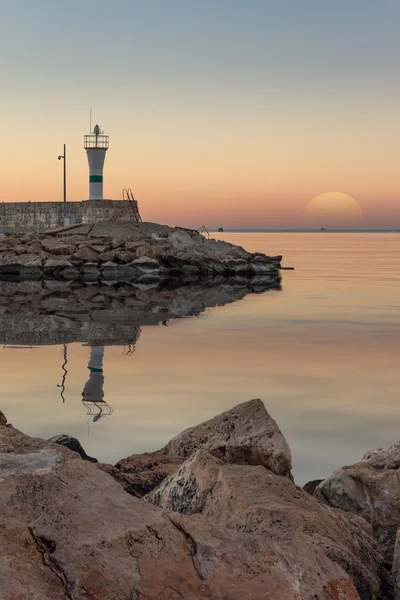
(96,146)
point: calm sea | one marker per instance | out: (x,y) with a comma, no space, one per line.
(323,354)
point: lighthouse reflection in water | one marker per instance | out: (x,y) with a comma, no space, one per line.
(93,391)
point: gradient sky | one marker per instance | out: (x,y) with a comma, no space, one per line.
(220,112)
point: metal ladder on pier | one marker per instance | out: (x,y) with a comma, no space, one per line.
(127,194)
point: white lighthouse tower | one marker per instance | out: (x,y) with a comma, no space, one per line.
(96,146)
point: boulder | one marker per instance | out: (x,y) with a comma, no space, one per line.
(132,246)
(147,268)
(3,419)
(118,241)
(72,444)
(236,265)
(110,255)
(20,249)
(11,241)
(140,473)
(28,260)
(246,434)
(320,545)
(86,254)
(34,247)
(145,249)
(369,489)
(125,256)
(57,263)
(261,267)
(67,530)
(57,246)
(100,248)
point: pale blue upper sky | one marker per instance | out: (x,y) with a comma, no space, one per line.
(309,69)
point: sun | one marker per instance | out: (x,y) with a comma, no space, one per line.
(334,209)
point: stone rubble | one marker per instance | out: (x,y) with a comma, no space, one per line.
(141,252)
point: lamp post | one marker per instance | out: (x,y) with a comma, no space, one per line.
(64,157)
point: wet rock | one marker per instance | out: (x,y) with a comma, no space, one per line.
(147,269)
(72,444)
(237,265)
(90,272)
(257,267)
(190,272)
(141,473)
(57,263)
(369,489)
(70,274)
(246,434)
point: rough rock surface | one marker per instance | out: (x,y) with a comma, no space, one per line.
(186,490)
(151,251)
(396,567)
(68,530)
(140,473)
(321,544)
(370,489)
(72,444)
(245,434)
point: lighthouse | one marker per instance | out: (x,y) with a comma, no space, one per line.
(96,146)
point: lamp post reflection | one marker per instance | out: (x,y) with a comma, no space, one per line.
(93,392)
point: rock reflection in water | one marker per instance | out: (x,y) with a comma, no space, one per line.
(53,313)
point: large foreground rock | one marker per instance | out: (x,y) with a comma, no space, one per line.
(69,531)
(320,544)
(370,489)
(246,434)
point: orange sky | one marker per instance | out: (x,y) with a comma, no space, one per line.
(237,121)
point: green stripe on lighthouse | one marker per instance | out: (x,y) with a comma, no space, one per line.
(96,178)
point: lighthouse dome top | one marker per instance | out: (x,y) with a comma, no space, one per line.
(96,140)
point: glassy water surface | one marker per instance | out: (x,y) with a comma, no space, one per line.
(323,353)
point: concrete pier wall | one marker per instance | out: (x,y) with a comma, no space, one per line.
(49,215)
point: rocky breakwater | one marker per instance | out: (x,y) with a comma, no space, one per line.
(142,252)
(227,523)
